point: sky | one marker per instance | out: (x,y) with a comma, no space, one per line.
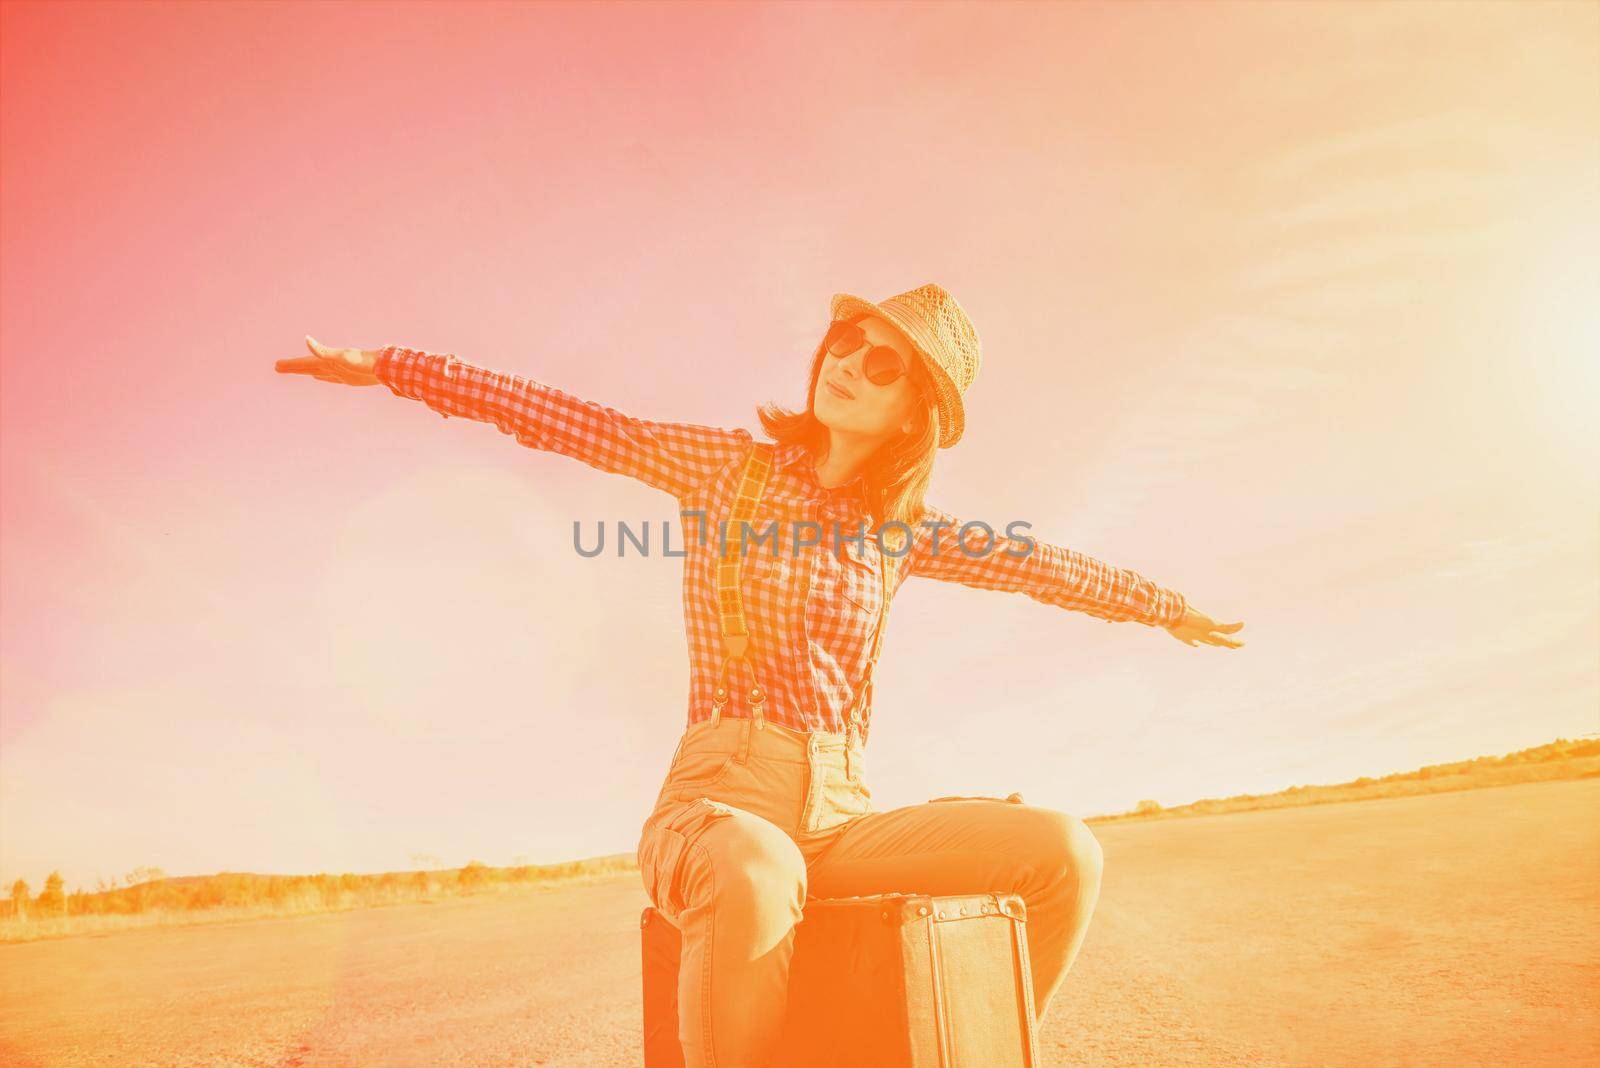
(1289,307)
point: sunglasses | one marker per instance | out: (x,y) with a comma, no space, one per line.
(882,364)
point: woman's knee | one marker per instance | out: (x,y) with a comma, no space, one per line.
(1071,848)
(756,865)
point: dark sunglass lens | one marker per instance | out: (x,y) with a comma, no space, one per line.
(844,338)
(882,365)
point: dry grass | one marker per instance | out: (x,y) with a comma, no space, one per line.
(232,896)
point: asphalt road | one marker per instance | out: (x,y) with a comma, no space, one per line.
(1454,929)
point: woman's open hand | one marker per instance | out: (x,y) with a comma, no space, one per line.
(352,367)
(1196,626)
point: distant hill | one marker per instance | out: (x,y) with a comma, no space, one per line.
(1560,759)
(229,896)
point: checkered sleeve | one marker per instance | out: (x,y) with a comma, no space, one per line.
(1048,573)
(674,457)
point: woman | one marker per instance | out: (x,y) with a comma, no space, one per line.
(764,802)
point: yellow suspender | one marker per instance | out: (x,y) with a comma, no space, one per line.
(888,563)
(730,605)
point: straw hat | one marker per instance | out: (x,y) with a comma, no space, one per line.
(943,336)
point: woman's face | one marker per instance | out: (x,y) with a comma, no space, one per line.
(870,410)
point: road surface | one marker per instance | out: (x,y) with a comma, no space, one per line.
(1453,929)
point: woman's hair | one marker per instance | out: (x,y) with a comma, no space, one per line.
(897,474)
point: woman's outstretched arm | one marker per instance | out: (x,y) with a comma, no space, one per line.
(674,457)
(1048,573)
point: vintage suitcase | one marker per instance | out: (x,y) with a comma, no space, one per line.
(892,980)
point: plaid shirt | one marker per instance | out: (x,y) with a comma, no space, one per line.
(811,608)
